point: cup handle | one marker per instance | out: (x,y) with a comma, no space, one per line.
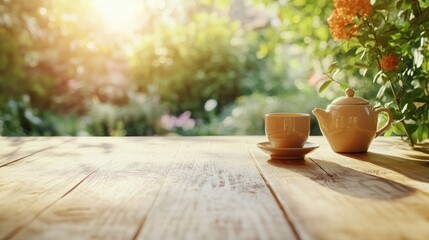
(388,123)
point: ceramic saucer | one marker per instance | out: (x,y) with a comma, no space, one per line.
(287,153)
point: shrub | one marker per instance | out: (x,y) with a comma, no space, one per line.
(139,117)
(187,65)
(20,118)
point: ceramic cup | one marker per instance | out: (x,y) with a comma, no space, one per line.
(287,130)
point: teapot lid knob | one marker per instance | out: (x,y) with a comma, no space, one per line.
(350,99)
(350,92)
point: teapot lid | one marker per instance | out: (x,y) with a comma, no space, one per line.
(349,99)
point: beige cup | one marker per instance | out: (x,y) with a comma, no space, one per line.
(287,130)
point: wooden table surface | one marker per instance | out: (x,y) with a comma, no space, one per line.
(220,187)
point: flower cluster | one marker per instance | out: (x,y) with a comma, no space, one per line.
(184,121)
(389,62)
(342,22)
(353,7)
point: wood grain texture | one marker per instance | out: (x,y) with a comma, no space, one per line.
(144,188)
(121,180)
(209,188)
(13,149)
(30,186)
(213,191)
(340,196)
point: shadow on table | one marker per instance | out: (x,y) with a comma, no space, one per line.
(107,147)
(346,180)
(417,170)
(424,148)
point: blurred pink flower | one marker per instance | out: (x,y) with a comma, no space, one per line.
(184,121)
(189,124)
(167,122)
(183,118)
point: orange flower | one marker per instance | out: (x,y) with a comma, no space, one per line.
(389,62)
(341,25)
(354,7)
(342,21)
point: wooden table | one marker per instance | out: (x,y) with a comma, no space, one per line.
(208,188)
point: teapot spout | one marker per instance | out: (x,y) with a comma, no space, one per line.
(321,115)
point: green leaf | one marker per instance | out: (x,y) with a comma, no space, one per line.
(361,65)
(389,132)
(377,20)
(325,85)
(399,4)
(335,72)
(346,46)
(417,92)
(332,67)
(359,50)
(381,92)
(343,86)
(425,132)
(422,132)
(347,66)
(398,128)
(377,76)
(405,108)
(424,99)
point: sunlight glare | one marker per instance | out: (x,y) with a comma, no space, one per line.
(118,14)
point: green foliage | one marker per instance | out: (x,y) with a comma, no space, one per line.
(191,64)
(56,53)
(140,116)
(265,70)
(19,117)
(62,71)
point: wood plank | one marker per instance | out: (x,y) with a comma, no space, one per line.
(118,179)
(31,185)
(395,147)
(336,196)
(13,149)
(393,159)
(214,191)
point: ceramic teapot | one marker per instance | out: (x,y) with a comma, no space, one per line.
(349,124)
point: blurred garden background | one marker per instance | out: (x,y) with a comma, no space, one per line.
(161,67)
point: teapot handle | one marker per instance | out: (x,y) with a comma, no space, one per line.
(389,120)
